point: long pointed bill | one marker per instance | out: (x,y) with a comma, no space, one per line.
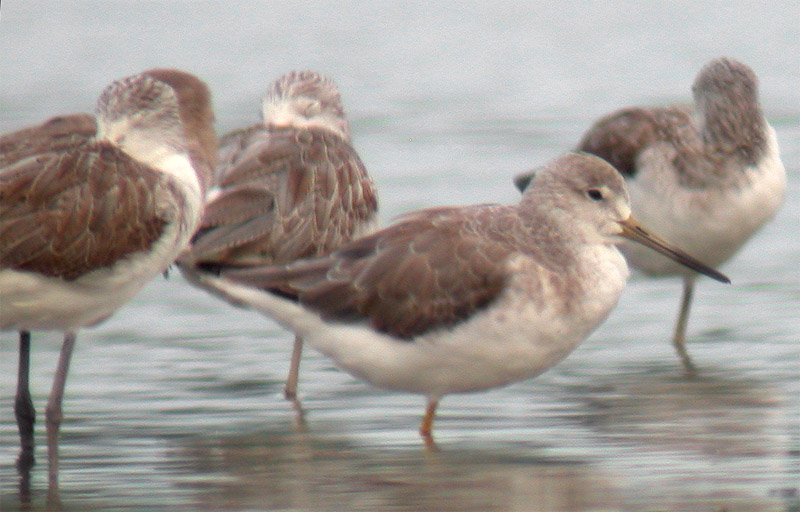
(633,231)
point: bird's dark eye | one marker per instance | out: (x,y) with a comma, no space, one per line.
(594,194)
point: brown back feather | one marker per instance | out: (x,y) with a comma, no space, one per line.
(428,272)
(64,214)
(59,133)
(620,137)
(298,193)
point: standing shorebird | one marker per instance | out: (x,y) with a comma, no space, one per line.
(705,178)
(288,188)
(461,299)
(91,209)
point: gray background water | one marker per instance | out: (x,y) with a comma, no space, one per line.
(176,401)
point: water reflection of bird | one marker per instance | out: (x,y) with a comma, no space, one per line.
(290,187)
(273,471)
(91,209)
(460,299)
(705,178)
(725,414)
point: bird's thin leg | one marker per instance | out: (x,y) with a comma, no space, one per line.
(290,390)
(23,405)
(426,428)
(679,340)
(53,413)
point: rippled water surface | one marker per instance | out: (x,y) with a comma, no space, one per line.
(176,402)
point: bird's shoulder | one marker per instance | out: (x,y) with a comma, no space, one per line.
(622,136)
(58,133)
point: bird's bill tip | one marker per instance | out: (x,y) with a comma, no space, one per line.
(632,230)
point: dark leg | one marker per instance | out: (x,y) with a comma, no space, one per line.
(53,413)
(23,405)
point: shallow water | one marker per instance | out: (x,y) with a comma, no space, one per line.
(176,401)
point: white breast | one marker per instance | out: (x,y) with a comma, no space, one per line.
(711,223)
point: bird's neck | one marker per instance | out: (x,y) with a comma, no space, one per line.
(739,132)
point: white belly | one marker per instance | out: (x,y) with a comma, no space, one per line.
(711,224)
(519,336)
(30,301)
